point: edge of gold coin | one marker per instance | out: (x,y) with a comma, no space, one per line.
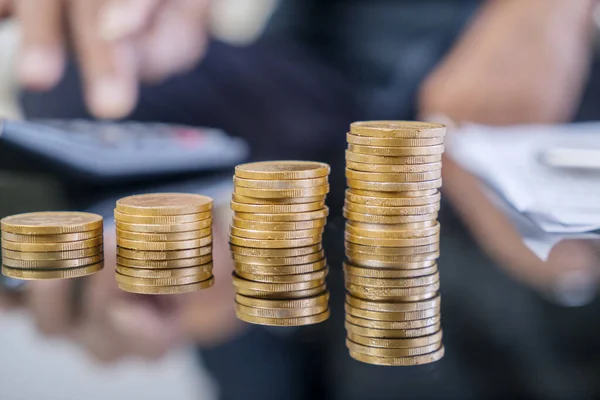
(280,261)
(173,281)
(391,315)
(392,242)
(51,223)
(277,208)
(282,170)
(280,184)
(390,251)
(164,204)
(384,210)
(394,186)
(400,361)
(282,193)
(274,244)
(396,343)
(163,255)
(393,282)
(388,219)
(392,160)
(280,201)
(161,219)
(62,238)
(392,352)
(52,247)
(275,235)
(392,333)
(164,264)
(387,231)
(275,253)
(382,273)
(320,299)
(393,168)
(165,273)
(164,246)
(396,151)
(296,294)
(392,325)
(42,274)
(164,237)
(393,141)
(52,264)
(394,306)
(300,321)
(291,217)
(278,226)
(378,201)
(391,293)
(249,268)
(241,283)
(397,129)
(164,228)
(398,177)
(280,312)
(53,255)
(178,289)
(294,278)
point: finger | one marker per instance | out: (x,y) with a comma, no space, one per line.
(49,302)
(184,25)
(109,70)
(122,18)
(42,59)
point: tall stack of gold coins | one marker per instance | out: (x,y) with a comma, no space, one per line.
(164,243)
(393,170)
(279,214)
(51,245)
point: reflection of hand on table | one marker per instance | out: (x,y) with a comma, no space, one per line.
(113,324)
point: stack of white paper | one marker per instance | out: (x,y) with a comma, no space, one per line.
(546,178)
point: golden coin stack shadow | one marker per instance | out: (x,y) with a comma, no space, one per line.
(279,215)
(52,245)
(164,243)
(393,171)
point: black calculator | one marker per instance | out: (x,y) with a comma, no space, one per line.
(119,150)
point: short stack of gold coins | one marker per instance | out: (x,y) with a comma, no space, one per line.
(393,171)
(51,245)
(164,243)
(279,215)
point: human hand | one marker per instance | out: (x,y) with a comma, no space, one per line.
(113,324)
(518,62)
(117,44)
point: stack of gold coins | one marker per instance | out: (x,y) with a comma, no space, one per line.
(51,245)
(164,243)
(393,170)
(279,214)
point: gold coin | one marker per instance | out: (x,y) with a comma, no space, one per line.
(393,177)
(388,160)
(322,299)
(277,208)
(297,294)
(280,184)
(410,194)
(396,343)
(65,237)
(389,293)
(292,217)
(274,235)
(178,280)
(157,204)
(393,282)
(299,321)
(55,255)
(388,219)
(165,228)
(396,151)
(278,226)
(399,361)
(164,246)
(275,287)
(52,264)
(383,306)
(164,264)
(394,186)
(279,312)
(392,168)
(368,241)
(199,270)
(362,202)
(51,223)
(382,210)
(381,352)
(412,227)
(392,315)
(163,255)
(242,268)
(392,333)
(177,289)
(272,253)
(310,276)
(416,261)
(397,129)
(281,193)
(391,251)
(282,170)
(162,219)
(399,231)
(164,237)
(44,247)
(277,202)
(268,261)
(274,244)
(389,273)
(393,142)
(374,324)
(35,274)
